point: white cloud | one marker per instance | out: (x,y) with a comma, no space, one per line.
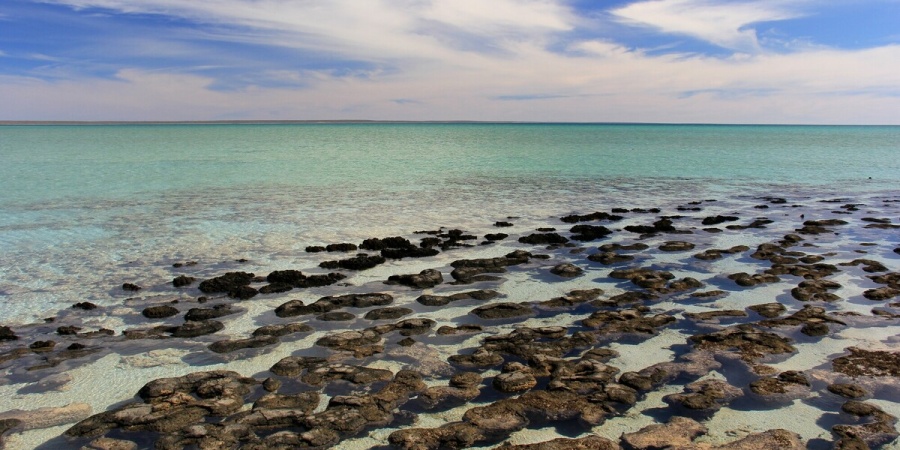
(725,24)
(814,87)
(372,29)
(437,79)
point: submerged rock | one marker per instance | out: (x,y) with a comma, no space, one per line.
(361,261)
(279,330)
(679,432)
(676,246)
(627,321)
(238,344)
(591,442)
(573,298)
(7,334)
(543,239)
(880,429)
(499,419)
(159,312)
(226,283)
(706,395)
(388,313)
(200,314)
(199,328)
(862,362)
(504,310)
(567,270)
(427,278)
(442,300)
(46,417)
(848,390)
(749,342)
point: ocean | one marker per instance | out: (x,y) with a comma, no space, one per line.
(81,203)
(86,208)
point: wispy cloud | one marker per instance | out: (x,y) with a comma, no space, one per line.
(726,24)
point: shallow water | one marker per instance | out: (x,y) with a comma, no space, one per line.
(88,208)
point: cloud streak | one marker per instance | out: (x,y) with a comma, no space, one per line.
(725,24)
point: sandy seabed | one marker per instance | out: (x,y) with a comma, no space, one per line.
(594,325)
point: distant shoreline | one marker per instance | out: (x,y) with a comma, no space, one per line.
(411,122)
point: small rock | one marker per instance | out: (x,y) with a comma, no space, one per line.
(238,344)
(182,281)
(159,311)
(502,311)
(678,432)
(848,390)
(676,246)
(567,270)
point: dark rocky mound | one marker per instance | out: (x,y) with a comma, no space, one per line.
(589,232)
(715,220)
(7,334)
(159,311)
(749,342)
(494,422)
(87,306)
(543,239)
(182,281)
(336,316)
(327,304)
(472,270)
(660,226)
(573,298)
(706,395)
(279,330)
(409,252)
(862,362)
(361,261)
(388,313)
(298,279)
(627,321)
(848,390)
(342,247)
(427,278)
(226,283)
(713,254)
(595,216)
(502,311)
(567,270)
(239,344)
(195,329)
(130,287)
(442,300)
(676,246)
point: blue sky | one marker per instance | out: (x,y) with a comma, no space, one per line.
(711,61)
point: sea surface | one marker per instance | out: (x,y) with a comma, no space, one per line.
(86,208)
(83,208)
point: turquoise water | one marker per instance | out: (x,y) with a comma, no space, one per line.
(84,207)
(47,163)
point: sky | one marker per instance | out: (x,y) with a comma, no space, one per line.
(672,61)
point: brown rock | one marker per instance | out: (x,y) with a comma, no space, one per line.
(592,442)
(868,363)
(502,310)
(678,432)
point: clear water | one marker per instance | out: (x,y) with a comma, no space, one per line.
(85,207)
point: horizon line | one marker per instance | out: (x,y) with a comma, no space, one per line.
(376,121)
